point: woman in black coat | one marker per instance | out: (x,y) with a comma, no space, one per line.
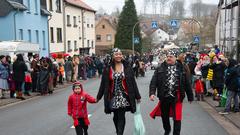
(19,69)
(218,76)
(120,90)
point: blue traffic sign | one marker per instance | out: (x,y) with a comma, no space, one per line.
(174,23)
(136,40)
(196,39)
(154,24)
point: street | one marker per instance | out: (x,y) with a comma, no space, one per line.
(48,116)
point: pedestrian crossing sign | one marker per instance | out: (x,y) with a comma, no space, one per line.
(196,39)
(154,24)
(136,40)
(174,23)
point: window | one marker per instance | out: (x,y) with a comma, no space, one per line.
(51,35)
(109,37)
(44,40)
(20,34)
(50,5)
(29,6)
(58,3)
(59,35)
(69,46)
(29,36)
(37,36)
(36,6)
(79,18)
(88,25)
(68,20)
(98,37)
(103,26)
(92,45)
(84,19)
(74,21)
(75,46)
(80,33)
(88,43)
(92,25)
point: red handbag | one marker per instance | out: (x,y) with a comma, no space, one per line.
(28,78)
(199,86)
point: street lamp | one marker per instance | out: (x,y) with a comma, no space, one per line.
(133,36)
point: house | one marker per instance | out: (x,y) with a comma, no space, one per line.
(105,34)
(25,20)
(227,26)
(159,36)
(56,27)
(79,27)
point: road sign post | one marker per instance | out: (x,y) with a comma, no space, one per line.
(136,40)
(154,25)
(174,23)
(196,39)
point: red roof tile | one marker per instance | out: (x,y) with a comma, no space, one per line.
(80,3)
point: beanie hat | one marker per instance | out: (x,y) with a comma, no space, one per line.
(171,52)
(77,84)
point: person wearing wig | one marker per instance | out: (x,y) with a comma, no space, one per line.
(119,88)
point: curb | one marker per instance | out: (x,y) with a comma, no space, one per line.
(15,101)
(238,126)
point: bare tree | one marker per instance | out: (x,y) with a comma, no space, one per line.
(116,12)
(199,9)
(177,9)
(162,4)
(101,11)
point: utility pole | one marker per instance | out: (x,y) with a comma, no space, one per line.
(238,31)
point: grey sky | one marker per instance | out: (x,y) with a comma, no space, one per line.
(110,5)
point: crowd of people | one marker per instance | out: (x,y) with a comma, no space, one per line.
(24,74)
(220,78)
(213,74)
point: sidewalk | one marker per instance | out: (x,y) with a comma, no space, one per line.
(9,100)
(232,117)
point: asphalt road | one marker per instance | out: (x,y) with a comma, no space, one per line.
(48,116)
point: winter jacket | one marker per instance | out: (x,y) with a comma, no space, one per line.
(4,74)
(43,79)
(68,66)
(19,69)
(159,77)
(218,75)
(204,70)
(231,79)
(129,83)
(77,105)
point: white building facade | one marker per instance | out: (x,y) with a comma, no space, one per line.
(56,40)
(71,27)
(159,36)
(227,26)
(80,28)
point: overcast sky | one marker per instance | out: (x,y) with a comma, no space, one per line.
(110,5)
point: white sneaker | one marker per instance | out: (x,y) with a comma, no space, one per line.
(224,113)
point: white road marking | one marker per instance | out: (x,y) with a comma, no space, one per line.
(89,115)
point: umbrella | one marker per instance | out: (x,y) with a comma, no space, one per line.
(54,55)
(66,54)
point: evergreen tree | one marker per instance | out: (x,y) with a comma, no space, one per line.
(128,18)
